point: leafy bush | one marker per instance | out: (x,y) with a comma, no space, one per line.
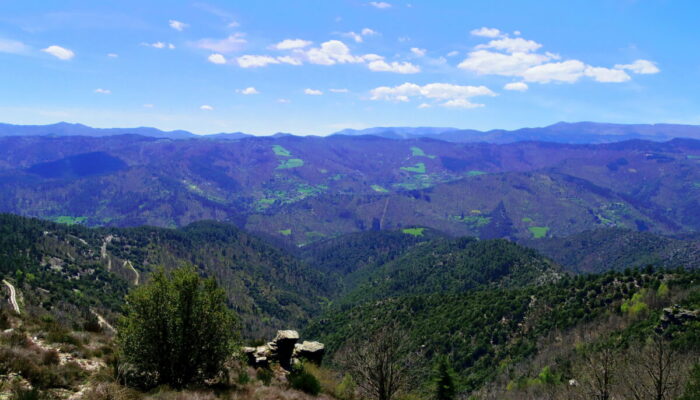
(264,375)
(302,380)
(177,329)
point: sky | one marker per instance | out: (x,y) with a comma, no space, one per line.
(320,66)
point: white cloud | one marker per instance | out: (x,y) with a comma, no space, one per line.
(290,44)
(418,52)
(148,105)
(252,61)
(516,86)
(640,67)
(59,52)
(217,58)
(206,107)
(601,74)
(461,103)
(360,37)
(103,91)
(284,101)
(487,32)
(332,52)
(380,4)
(424,105)
(289,60)
(446,94)
(313,92)
(248,91)
(338,90)
(177,25)
(113,55)
(453,53)
(486,62)
(368,32)
(566,71)
(12,46)
(509,56)
(230,44)
(354,36)
(511,45)
(159,45)
(398,67)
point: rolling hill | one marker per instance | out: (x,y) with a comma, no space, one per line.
(301,190)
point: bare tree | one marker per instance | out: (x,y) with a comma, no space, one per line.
(599,373)
(381,366)
(656,371)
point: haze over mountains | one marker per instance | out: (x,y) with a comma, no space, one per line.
(561,132)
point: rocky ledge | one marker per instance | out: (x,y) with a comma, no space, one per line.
(285,350)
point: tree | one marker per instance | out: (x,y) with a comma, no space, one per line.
(177,329)
(444,381)
(599,372)
(655,371)
(692,387)
(379,365)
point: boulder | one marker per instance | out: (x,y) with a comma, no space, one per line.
(310,351)
(282,347)
(285,351)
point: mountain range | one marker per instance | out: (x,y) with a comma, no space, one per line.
(561,132)
(303,189)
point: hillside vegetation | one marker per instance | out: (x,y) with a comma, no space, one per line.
(302,190)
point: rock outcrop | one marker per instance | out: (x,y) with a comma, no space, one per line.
(285,351)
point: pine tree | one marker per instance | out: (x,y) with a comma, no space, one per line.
(444,381)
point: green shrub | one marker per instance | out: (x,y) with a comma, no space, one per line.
(265,376)
(243,377)
(177,329)
(300,379)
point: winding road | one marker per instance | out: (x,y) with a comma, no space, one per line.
(103,252)
(13,296)
(128,264)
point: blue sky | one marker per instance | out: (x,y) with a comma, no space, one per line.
(315,67)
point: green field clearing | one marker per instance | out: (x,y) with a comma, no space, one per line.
(527,219)
(286,232)
(68,220)
(291,163)
(418,152)
(473,221)
(414,231)
(379,189)
(475,173)
(538,231)
(418,168)
(281,151)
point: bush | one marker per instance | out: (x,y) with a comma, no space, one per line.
(300,379)
(177,330)
(265,376)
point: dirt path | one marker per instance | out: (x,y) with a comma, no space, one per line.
(13,296)
(381,221)
(103,252)
(137,275)
(103,322)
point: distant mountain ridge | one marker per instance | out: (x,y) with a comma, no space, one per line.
(561,132)
(63,129)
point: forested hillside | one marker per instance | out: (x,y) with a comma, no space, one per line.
(305,189)
(59,266)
